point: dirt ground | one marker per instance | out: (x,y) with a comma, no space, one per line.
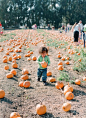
(24,101)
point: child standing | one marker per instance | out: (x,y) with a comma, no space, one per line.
(42,71)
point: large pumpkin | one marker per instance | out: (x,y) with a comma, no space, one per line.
(14,115)
(2,93)
(25,71)
(24,77)
(66,106)
(9,75)
(26,84)
(69,95)
(44,64)
(59,85)
(41,109)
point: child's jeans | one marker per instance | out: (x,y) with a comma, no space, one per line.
(43,73)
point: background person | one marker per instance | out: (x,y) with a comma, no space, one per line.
(81,29)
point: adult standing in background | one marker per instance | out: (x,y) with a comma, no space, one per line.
(0,28)
(81,29)
(76,31)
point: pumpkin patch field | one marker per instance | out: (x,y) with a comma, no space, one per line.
(21,95)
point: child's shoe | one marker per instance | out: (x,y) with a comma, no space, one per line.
(38,79)
(45,83)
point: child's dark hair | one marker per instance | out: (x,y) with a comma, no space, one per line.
(43,49)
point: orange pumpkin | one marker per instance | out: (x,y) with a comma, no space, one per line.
(60,67)
(21,83)
(26,84)
(14,115)
(5,60)
(69,95)
(6,67)
(67,62)
(44,64)
(24,77)
(77,81)
(49,73)
(14,65)
(59,85)
(66,106)
(2,93)
(63,58)
(60,63)
(84,78)
(9,75)
(13,71)
(28,59)
(52,79)
(68,87)
(34,58)
(10,58)
(25,71)
(59,55)
(40,109)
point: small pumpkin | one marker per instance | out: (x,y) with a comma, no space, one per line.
(9,75)
(34,58)
(77,82)
(14,115)
(6,67)
(44,64)
(60,67)
(10,58)
(26,84)
(24,77)
(59,85)
(68,86)
(66,106)
(28,59)
(60,63)
(5,60)
(67,62)
(52,79)
(63,58)
(14,65)
(13,71)
(21,83)
(41,109)
(84,78)
(49,73)
(2,93)
(25,71)
(59,55)
(69,95)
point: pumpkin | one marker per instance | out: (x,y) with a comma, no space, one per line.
(49,73)
(14,115)
(25,71)
(14,61)
(59,85)
(9,75)
(60,63)
(21,83)
(66,106)
(59,55)
(67,90)
(60,67)
(41,109)
(77,81)
(67,62)
(24,77)
(43,64)
(13,71)
(84,78)
(28,59)
(14,65)
(68,87)
(6,67)
(31,52)
(69,95)
(52,79)
(5,60)
(34,58)
(10,58)
(26,84)
(63,58)
(2,93)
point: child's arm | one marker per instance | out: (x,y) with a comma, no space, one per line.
(48,61)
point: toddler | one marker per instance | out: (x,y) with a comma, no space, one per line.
(42,71)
